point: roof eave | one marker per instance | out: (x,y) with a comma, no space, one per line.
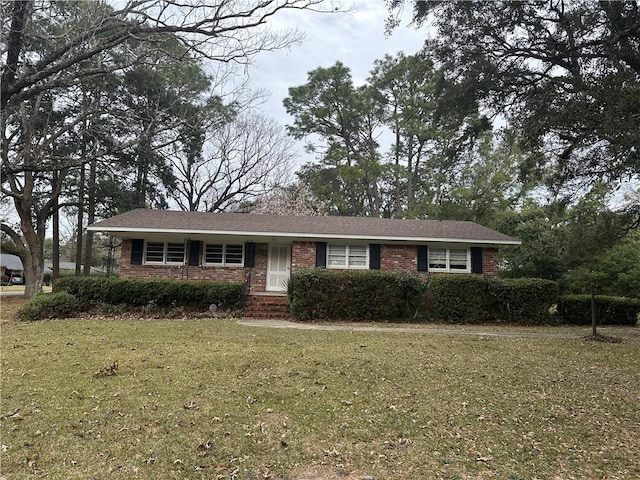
(119,231)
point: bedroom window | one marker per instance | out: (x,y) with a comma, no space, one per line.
(164,253)
(221,254)
(449,260)
(347,256)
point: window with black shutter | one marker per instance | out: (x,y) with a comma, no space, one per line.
(422,258)
(194,253)
(249,254)
(476,259)
(137,249)
(321,254)
(374,256)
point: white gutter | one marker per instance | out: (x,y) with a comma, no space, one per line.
(300,235)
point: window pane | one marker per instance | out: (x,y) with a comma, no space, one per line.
(213,253)
(155,252)
(175,253)
(457,259)
(357,256)
(234,254)
(337,255)
(438,258)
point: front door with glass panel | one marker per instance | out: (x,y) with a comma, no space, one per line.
(278,268)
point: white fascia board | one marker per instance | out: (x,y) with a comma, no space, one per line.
(323,236)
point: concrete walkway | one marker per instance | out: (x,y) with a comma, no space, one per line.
(252,322)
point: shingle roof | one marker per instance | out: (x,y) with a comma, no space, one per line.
(143,221)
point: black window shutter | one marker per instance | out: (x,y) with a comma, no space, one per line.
(423,265)
(194,253)
(249,254)
(374,256)
(321,254)
(476,259)
(137,248)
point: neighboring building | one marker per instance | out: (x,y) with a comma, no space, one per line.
(10,266)
(70,268)
(263,250)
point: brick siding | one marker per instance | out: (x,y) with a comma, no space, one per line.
(257,274)
(490,262)
(303,255)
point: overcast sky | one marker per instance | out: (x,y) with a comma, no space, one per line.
(356,38)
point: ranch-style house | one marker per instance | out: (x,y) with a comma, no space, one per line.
(263,250)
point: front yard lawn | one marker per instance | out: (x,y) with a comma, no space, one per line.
(210,399)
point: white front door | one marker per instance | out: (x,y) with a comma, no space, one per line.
(278,268)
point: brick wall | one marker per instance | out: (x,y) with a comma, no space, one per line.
(393,258)
(490,262)
(399,258)
(303,255)
(257,274)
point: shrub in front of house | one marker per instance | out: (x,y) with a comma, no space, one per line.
(522,300)
(576,309)
(87,290)
(456,298)
(159,293)
(54,305)
(319,293)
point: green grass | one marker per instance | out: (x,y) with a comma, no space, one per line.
(212,399)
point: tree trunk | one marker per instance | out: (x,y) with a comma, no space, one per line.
(79,232)
(398,188)
(30,247)
(411,191)
(110,256)
(33,261)
(55,243)
(91,216)
(594,319)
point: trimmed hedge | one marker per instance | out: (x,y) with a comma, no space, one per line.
(456,298)
(161,293)
(86,289)
(54,305)
(576,309)
(453,298)
(522,300)
(354,295)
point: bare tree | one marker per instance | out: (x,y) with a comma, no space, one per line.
(295,199)
(226,31)
(240,160)
(48,51)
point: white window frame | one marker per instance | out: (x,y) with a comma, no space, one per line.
(165,250)
(224,262)
(347,264)
(448,268)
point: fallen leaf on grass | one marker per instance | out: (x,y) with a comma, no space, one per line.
(332,452)
(109,371)
(204,448)
(484,459)
(15,415)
